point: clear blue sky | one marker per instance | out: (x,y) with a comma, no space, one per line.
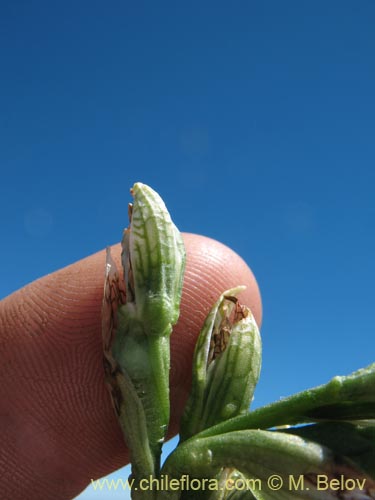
(255,121)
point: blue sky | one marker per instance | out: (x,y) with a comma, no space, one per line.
(253,120)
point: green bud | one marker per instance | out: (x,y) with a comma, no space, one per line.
(226,365)
(153,258)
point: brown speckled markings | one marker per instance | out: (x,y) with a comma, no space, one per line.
(220,336)
(114,296)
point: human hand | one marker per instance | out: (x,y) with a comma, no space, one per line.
(57,424)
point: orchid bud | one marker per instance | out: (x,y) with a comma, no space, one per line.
(226,365)
(153,258)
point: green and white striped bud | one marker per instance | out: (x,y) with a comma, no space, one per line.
(226,366)
(153,258)
(137,324)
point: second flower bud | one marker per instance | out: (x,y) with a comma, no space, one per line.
(226,365)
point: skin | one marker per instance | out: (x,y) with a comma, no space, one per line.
(58,428)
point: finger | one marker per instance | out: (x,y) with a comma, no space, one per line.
(58,426)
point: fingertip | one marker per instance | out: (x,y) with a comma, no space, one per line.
(213,267)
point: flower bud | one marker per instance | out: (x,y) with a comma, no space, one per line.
(153,258)
(226,365)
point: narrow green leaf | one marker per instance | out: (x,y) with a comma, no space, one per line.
(354,394)
(303,469)
(355,441)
